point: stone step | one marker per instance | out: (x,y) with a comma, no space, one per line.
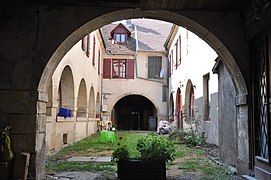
(89,159)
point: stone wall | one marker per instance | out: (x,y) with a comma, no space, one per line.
(210,127)
(227,117)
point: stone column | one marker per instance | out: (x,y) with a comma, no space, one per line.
(242,134)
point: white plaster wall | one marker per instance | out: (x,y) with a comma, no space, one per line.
(81,66)
(197,62)
(197,59)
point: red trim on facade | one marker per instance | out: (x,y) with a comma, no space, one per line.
(88,46)
(107,68)
(130,69)
(99,62)
(93,52)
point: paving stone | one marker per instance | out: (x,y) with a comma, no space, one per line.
(103,159)
(82,159)
(83,175)
(90,159)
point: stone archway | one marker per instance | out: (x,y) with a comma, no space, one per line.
(178,110)
(171,107)
(91,103)
(189,101)
(224,45)
(82,100)
(66,89)
(135,112)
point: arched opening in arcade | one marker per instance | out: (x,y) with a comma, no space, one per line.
(135,112)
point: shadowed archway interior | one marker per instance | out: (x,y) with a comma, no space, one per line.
(135,112)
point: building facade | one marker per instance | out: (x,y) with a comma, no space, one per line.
(192,85)
(76,87)
(134,66)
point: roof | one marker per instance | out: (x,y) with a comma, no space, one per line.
(128,49)
(151,35)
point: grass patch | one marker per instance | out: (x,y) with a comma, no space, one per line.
(205,167)
(188,160)
(91,146)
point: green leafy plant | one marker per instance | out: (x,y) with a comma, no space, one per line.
(189,137)
(194,139)
(150,147)
(121,153)
(154,147)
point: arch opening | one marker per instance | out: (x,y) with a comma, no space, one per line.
(82,100)
(66,90)
(136,115)
(189,102)
(91,107)
(135,112)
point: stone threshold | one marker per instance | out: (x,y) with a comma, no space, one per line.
(89,159)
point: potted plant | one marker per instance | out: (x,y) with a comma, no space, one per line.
(154,151)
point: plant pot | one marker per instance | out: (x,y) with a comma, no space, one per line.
(138,169)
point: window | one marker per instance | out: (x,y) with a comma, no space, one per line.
(164,93)
(154,66)
(169,67)
(180,51)
(172,62)
(120,38)
(85,44)
(176,54)
(88,46)
(118,68)
(93,53)
(99,62)
(206,108)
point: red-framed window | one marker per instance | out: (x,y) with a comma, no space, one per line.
(118,69)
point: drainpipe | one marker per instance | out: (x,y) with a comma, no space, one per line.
(136,38)
(167,85)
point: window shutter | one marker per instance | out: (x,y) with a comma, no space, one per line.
(176,55)
(130,69)
(169,67)
(107,68)
(154,66)
(93,55)
(83,45)
(99,62)
(88,45)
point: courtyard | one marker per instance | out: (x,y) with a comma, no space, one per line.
(94,160)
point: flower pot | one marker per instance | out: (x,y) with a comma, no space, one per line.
(138,169)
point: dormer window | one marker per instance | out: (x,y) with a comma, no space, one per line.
(120,38)
(120,34)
